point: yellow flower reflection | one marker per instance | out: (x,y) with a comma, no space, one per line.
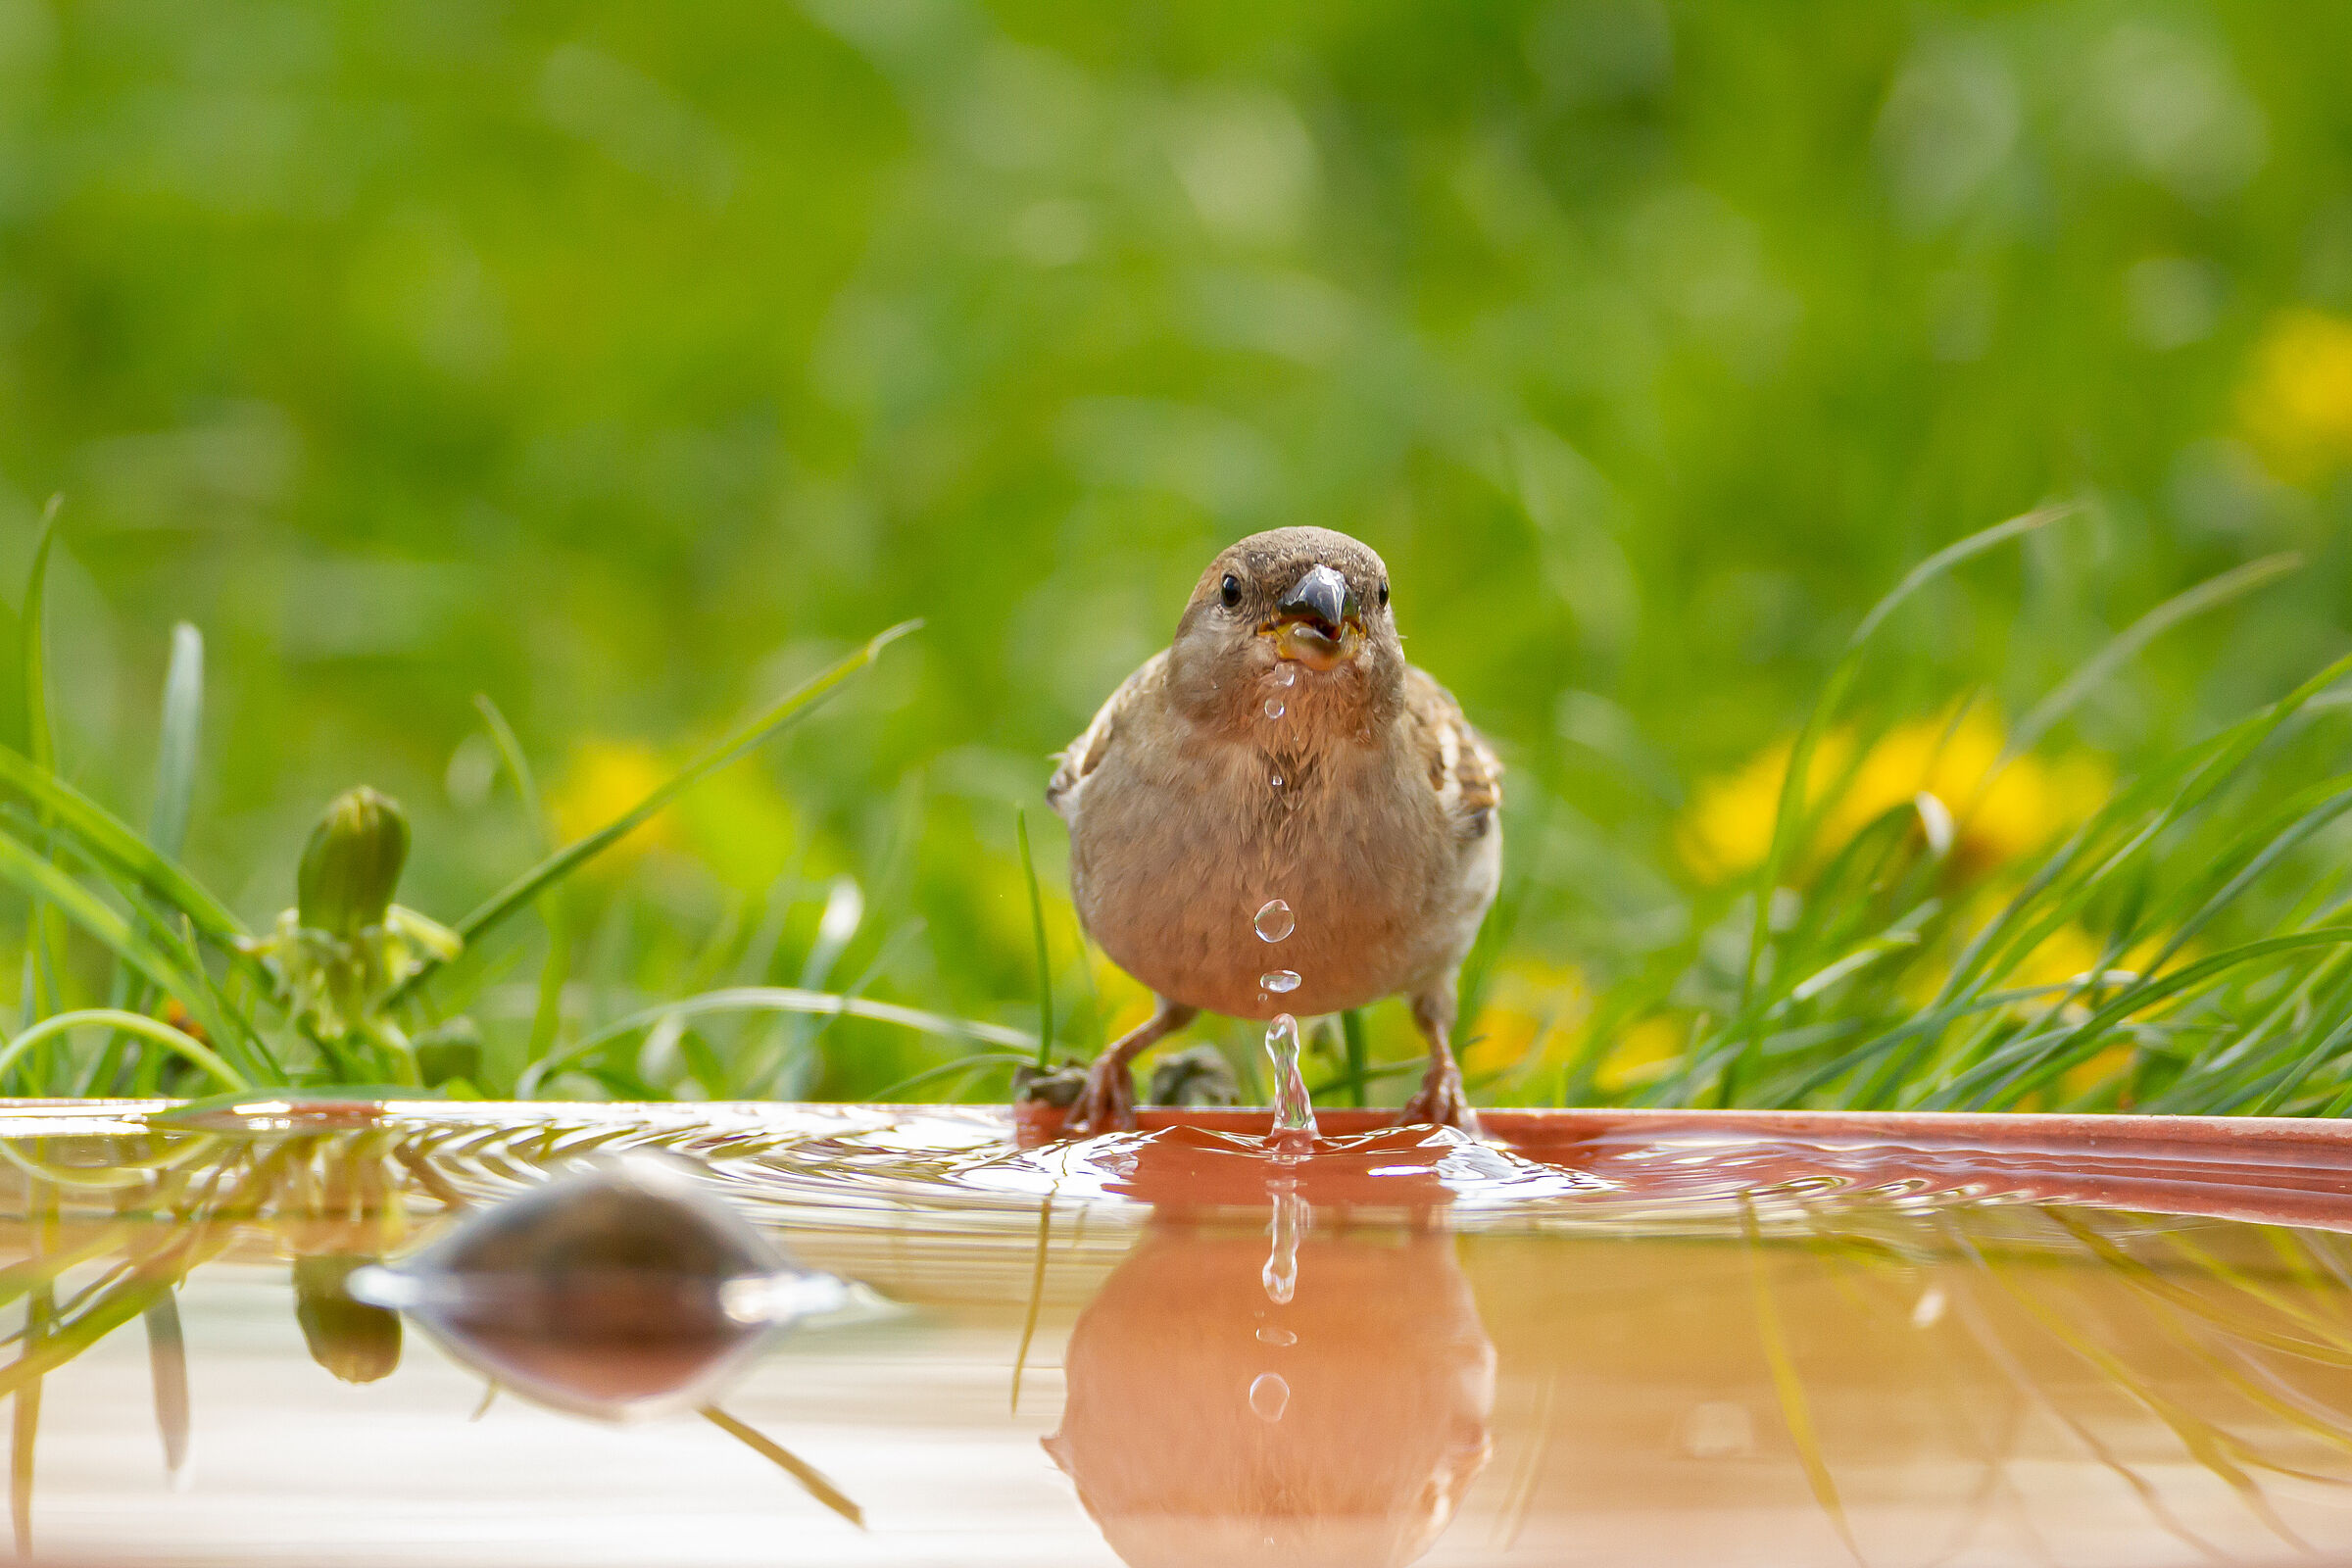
(2296,403)
(1996,815)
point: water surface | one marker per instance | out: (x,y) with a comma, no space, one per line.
(1627,1341)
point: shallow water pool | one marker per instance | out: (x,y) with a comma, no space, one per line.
(1605,1339)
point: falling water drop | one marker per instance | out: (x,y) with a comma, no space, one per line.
(1280,1276)
(1274,921)
(1278,781)
(1270,1397)
(1294,1113)
(1271,1335)
(1293,1141)
(1274,707)
(1279,981)
(1286,675)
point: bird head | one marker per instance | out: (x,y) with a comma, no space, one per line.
(1301,610)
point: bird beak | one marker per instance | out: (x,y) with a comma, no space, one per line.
(1317,620)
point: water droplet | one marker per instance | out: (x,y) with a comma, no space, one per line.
(1274,707)
(1278,781)
(1274,920)
(1280,1276)
(1930,1309)
(1286,675)
(1270,1397)
(1276,1336)
(1279,981)
(1294,1113)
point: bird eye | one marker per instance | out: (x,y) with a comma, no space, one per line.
(1230,591)
(1383,595)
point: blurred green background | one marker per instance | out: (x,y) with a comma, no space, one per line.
(628,363)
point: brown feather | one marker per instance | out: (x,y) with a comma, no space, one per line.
(1083,756)
(1462,768)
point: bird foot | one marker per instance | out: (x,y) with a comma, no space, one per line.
(1439,1102)
(1106,1101)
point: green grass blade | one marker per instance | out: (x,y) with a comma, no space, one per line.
(893,946)
(2211,594)
(1358,1048)
(168,1370)
(39,879)
(179,737)
(26,1425)
(1037,1294)
(793,706)
(40,740)
(2024,1064)
(978,1061)
(1791,809)
(2071,874)
(811,1480)
(547,1008)
(112,844)
(44,939)
(58,1025)
(1953,555)
(1044,960)
(774,999)
(40,1319)
(1988,1339)
(1789,1386)
(183,734)
(2329,1044)
(519,769)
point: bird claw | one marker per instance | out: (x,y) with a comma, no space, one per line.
(1107,1102)
(1439,1102)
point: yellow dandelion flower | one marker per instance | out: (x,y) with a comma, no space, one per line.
(1640,1053)
(2090,1074)
(2071,952)
(1729,826)
(2064,956)
(1997,815)
(1126,1006)
(2296,401)
(1534,1013)
(604,779)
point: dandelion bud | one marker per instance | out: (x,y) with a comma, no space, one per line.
(356,1341)
(352,863)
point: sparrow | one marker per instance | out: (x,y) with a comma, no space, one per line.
(1278,814)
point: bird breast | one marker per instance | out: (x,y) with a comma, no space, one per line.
(1178,848)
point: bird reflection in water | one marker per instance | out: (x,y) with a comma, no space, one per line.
(1223,1410)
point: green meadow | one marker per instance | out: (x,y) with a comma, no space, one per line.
(1880,477)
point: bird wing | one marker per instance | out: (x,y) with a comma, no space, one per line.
(1463,769)
(1077,762)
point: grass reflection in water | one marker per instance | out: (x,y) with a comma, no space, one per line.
(1696,1356)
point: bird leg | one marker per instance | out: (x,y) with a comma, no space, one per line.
(1439,1099)
(1107,1105)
